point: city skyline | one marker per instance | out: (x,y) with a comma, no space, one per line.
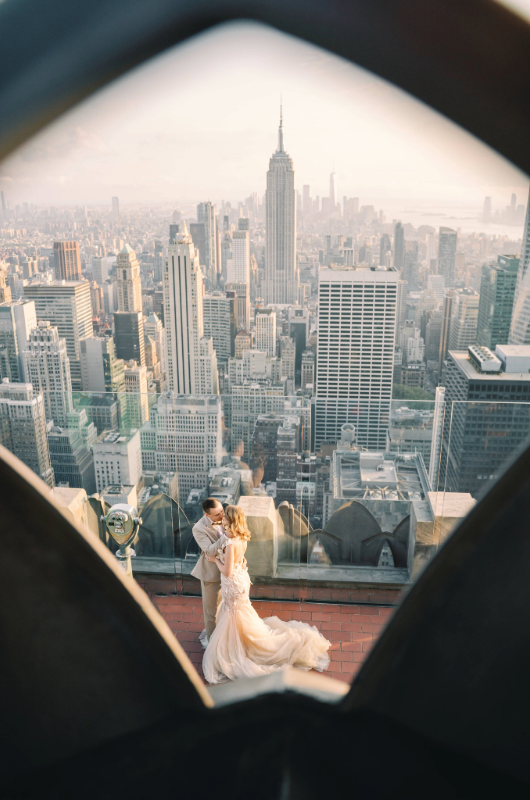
(131,142)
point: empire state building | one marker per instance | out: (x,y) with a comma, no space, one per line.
(280,286)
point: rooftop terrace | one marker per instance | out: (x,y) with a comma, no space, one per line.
(351,628)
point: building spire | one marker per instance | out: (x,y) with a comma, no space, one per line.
(280,129)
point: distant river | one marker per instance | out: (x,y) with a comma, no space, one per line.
(467,218)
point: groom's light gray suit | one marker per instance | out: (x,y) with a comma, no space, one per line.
(207,537)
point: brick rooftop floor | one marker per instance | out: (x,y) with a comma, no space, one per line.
(352,629)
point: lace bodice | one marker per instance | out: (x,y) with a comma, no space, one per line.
(235,589)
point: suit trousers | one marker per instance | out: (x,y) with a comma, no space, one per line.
(211,597)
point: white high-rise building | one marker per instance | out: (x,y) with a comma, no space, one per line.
(401,311)
(464,319)
(184,435)
(207,380)
(355,356)
(238,269)
(153,327)
(414,351)
(128,279)
(117,459)
(23,427)
(101,371)
(207,215)
(183,315)
(100,269)
(137,398)
(47,368)
(248,401)
(219,317)
(447,255)
(437,431)
(67,305)
(255,366)
(520,327)
(17,320)
(266,331)
(281,282)
(333,194)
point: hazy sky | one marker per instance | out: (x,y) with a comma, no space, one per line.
(200,122)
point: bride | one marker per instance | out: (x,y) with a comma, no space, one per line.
(243,645)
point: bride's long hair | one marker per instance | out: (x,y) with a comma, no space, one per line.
(237,523)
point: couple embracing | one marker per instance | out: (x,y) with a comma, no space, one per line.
(239,644)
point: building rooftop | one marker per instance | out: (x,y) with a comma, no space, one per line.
(471,372)
(357,273)
(116,437)
(377,472)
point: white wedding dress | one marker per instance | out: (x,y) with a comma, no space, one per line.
(245,646)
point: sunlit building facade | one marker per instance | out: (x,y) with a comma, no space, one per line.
(355,356)
(281,276)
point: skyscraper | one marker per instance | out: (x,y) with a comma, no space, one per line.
(153,327)
(242,292)
(332,192)
(238,269)
(5,289)
(355,358)
(137,398)
(266,331)
(399,247)
(129,335)
(520,327)
(195,445)
(100,270)
(464,317)
(401,309)
(206,213)
(280,285)
(183,314)
(128,280)
(47,368)
(308,369)
(220,323)
(197,233)
(298,320)
(67,305)
(447,256)
(384,246)
(17,320)
(497,292)
(477,443)
(436,442)
(101,370)
(288,356)
(445,332)
(67,261)
(23,427)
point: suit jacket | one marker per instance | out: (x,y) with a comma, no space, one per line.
(206,536)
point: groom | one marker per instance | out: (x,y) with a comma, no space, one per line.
(208,533)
